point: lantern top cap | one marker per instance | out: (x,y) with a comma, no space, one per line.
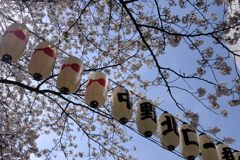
(219,143)
(165,112)
(122,87)
(184,123)
(202,133)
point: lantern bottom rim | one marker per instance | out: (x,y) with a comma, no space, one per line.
(171,147)
(64,90)
(123,120)
(37,76)
(7,58)
(94,104)
(190,158)
(148,134)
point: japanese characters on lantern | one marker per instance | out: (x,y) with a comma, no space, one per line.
(13,42)
(42,60)
(224,152)
(207,148)
(96,90)
(188,142)
(70,74)
(168,131)
(146,118)
(121,105)
(236,155)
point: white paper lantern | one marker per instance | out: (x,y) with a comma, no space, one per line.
(188,142)
(96,90)
(224,152)
(236,155)
(168,131)
(42,60)
(207,148)
(121,105)
(69,77)
(146,118)
(13,42)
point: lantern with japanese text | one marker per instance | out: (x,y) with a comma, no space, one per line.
(207,148)
(188,142)
(146,118)
(96,89)
(42,61)
(13,42)
(224,152)
(70,75)
(236,155)
(168,131)
(121,105)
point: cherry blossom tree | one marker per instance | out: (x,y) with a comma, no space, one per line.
(121,38)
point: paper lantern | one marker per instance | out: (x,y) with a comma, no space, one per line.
(188,142)
(121,105)
(96,90)
(69,77)
(236,155)
(42,60)
(224,152)
(13,42)
(207,148)
(146,118)
(168,131)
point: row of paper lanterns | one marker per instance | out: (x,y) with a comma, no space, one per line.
(13,44)
(42,62)
(170,135)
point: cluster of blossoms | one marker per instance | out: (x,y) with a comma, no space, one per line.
(222,66)
(234,102)
(201,92)
(228,140)
(233,39)
(213,101)
(208,52)
(194,119)
(225,113)
(214,130)
(222,90)
(201,71)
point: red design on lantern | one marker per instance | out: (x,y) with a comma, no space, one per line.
(17,33)
(48,51)
(74,66)
(101,81)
